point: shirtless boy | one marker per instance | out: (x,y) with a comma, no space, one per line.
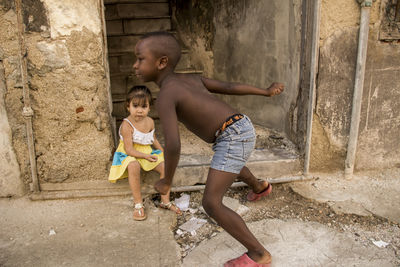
(188,98)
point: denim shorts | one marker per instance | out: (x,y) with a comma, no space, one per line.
(233,146)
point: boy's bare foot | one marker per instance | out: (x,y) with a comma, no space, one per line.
(275,89)
(262,189)
(261,258)
(162,187)
(261,186)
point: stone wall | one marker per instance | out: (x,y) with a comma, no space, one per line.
(378,145)
(68,89)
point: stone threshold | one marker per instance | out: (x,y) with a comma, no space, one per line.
(268,164)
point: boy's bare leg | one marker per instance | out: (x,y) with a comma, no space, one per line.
(217,184)
(165,198)
(247,177)
(162,186)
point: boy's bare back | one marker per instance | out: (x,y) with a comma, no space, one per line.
(184,97)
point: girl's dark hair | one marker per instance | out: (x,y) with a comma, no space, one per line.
(141,93)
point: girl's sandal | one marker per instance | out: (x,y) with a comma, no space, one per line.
(170,206)
(138,210)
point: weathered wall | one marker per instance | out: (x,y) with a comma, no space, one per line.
(254,42)
(378,145)
(68,87)
(9,169)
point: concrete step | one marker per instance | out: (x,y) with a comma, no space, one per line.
(274,157)
(122,43)
(121,63)
(120,84)
(136,10)
(133,1)
(137,26)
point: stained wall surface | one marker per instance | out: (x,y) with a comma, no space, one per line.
(68,89)
(253,42)
(378,145)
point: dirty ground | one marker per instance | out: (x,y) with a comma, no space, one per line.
(101,232)
(285,204)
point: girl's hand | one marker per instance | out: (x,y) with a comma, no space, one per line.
(275,89)
(151,158)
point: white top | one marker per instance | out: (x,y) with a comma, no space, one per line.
(139,137)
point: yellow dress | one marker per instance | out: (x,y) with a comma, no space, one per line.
(121,160)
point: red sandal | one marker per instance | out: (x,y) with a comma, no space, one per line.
(244,261)
(251,196)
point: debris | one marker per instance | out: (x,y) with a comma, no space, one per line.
(52,232)
(242,210)
(183,202)
(234,205)
(276,137)
(193,224)
(193,211)
(380,243)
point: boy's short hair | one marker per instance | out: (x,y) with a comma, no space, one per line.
(141,93)
(166,45)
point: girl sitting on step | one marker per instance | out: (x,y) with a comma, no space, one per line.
(139,149)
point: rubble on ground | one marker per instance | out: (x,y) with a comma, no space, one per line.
(282,204)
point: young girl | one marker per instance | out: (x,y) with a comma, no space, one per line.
(135,150)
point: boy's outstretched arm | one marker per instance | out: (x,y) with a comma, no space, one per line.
(172,146)
(228,88)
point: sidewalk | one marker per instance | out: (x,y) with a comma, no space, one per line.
(293,244)
(84,232)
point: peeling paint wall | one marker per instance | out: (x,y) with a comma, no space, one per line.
(68,89)
(378,145)
(254,42)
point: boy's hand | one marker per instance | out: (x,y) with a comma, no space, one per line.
(275,89)
(162,186)
(151,158)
